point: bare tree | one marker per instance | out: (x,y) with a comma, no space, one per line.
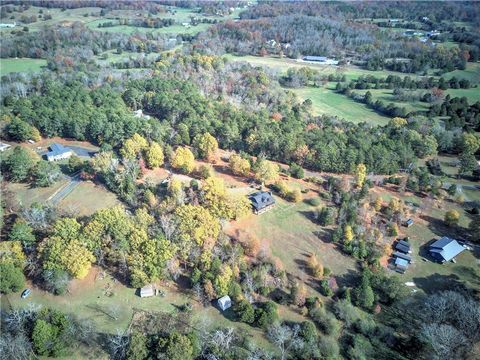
(285,338)
(118,344)
(168,226)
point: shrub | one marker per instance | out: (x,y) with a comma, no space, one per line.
(325,288)
(244,312)
(325,321)
(314,201)
(296,171)
(12,278)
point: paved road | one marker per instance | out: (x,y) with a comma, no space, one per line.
(65,190)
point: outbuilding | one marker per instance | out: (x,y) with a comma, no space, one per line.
(4,146)
(224,302)
(148,291)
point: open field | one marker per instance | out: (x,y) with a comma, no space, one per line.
(386,95)
(327,101)
(21,65)
(472,73)
(472,94)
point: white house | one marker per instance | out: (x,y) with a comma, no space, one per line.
(59,152)
(8,25)
(224,302)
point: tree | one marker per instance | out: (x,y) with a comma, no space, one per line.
(20,130)
(475,228)
(133,146)
(266,171)
(244,311)
(348,234)
(46,173)
(175,347)
(183,160)
(137,347)
(12,278)
(222,280)
(451,217)
(470,143)
(238,165)
(154,155)
(360,175)
(206,145)
(296,171)
(468,164)
(22,232)
(364,295)
(43,336)
(19,164)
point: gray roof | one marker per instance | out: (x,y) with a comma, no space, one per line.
(401,263)
(402,256)
(446,249)
(58,149)
(261,199)
(402,247)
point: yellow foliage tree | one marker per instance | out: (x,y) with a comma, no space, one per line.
(154,155)
(452,217)
(222,280)
(133,146)
(348,234)
(238,165)
(266,171)
(207,146)
(183,160)
(398,122)
(361,175)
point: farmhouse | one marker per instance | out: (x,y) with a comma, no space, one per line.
(58,152)
(262,201)
(224,302)
(445,249)
(4,146)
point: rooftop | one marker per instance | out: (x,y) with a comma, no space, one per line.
(261,199)
(446,248)
(58,149)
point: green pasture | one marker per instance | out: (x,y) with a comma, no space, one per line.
(386,95)
(327,101)
(21,65)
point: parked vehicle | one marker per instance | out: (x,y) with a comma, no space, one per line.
(25,293)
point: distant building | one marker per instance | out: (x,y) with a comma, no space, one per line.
(445,249)
(139,114)
(320,59)
(224,303)
(58,152)
(8,25)
(148,291)
(262,201)
(4,146)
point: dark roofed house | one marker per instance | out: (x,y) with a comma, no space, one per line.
(58,152)
(408,223)
(403,256)
(445,249)
(262,201)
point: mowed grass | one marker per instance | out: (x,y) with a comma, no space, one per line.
(472,94)
(21,65)
(288,233)
(87,198)
(327,101)
(126,29)
(386,95)
(351,72)
(472,73)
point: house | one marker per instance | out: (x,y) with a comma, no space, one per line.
(445,249)
(408,223)
(224,302)
(148,291)
(58,152)
(398,254)
(401,265)
(4,146)
(403,247)
(262,201)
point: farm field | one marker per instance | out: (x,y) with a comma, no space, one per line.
(472,73)
(472,94)
(386,95)
(21,65)
(328,102)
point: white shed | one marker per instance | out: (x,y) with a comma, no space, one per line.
(147,291)
(224,302)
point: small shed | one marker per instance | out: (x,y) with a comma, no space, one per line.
(148,291)
(403,246)
(4,146)
(403,256)
(224,302)
(401,265)
(408,223)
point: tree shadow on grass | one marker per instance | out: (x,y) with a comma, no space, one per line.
(439,228)
(436,282)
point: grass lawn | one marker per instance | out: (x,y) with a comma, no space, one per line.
(327,101)
(21,65)
(386,95)
(289,234)
(472,94)
(87,198)
(472,73)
